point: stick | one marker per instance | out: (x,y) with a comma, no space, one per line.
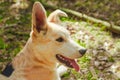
(109,26)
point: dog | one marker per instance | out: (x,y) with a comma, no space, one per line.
(49,44)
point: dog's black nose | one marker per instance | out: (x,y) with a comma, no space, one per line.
(82,51)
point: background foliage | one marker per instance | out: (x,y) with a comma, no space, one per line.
(103,46)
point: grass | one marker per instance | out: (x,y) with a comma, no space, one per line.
(2,44)
(100,35)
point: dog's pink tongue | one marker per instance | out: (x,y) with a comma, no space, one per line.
(75,65)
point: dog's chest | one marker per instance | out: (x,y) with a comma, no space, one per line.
(40,74)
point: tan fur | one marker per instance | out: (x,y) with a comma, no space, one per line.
(37,60)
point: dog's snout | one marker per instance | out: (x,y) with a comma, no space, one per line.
(82,51)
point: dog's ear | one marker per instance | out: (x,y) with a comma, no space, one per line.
(39,17)
(54,16)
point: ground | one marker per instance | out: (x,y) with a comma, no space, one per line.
(101,61)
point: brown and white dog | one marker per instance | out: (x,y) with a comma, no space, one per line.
(48,45)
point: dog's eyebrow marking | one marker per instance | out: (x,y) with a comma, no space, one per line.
(8,70)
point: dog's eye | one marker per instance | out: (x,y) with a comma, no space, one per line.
(60,39)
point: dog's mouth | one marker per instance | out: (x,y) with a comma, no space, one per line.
(72,63)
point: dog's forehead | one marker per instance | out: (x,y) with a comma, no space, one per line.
(60,29)
(63,30)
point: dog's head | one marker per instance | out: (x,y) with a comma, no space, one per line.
(52,40)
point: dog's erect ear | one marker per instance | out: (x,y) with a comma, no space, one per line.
(54,16)
(39,17)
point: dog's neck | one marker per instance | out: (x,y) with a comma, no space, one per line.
(34,67)
(27,59)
